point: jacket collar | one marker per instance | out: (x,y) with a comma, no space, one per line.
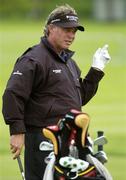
(65,55)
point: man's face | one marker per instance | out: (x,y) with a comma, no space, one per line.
(61,38)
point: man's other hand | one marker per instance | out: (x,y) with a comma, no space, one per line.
(16,144)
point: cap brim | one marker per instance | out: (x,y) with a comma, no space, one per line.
(70,25)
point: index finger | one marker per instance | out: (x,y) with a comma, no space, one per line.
(105,47)
(16,154)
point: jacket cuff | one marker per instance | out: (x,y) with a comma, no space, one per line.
(94,75)
(17,127)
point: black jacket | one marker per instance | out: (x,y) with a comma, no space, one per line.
(44,86)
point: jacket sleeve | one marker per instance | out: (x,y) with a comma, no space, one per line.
(89,84)
(17,93)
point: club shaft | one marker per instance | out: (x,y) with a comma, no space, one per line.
(21,167)
(100,147)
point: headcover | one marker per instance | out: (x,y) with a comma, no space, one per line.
(66,21)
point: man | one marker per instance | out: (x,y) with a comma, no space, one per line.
(45,84)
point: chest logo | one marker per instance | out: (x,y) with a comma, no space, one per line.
(57,71)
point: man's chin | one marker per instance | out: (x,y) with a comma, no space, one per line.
(66,46)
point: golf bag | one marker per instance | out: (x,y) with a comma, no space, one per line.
(73,155)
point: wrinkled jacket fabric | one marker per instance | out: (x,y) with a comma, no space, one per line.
(43,87)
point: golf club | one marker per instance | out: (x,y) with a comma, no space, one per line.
(21,167)
(101,156)
(100,141)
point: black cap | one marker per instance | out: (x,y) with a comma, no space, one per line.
(66,21)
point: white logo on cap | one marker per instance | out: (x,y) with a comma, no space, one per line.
(18,73)
(55,20)
(72,18)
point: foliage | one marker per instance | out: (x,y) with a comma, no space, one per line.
(38,9)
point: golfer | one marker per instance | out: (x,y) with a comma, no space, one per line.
(45,84)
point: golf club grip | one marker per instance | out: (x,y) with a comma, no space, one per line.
(100,147)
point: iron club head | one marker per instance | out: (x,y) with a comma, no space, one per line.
(101,156)
(100,141)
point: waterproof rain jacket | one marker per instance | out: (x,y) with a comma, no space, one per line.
(44,86)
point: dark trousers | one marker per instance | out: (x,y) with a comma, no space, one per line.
(34,157)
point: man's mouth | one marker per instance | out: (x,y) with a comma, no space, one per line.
(68,42)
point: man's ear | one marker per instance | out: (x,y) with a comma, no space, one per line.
(51,27)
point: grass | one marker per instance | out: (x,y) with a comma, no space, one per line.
(107,109)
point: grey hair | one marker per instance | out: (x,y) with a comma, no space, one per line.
(59,10)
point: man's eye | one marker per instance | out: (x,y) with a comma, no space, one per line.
(70,30)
